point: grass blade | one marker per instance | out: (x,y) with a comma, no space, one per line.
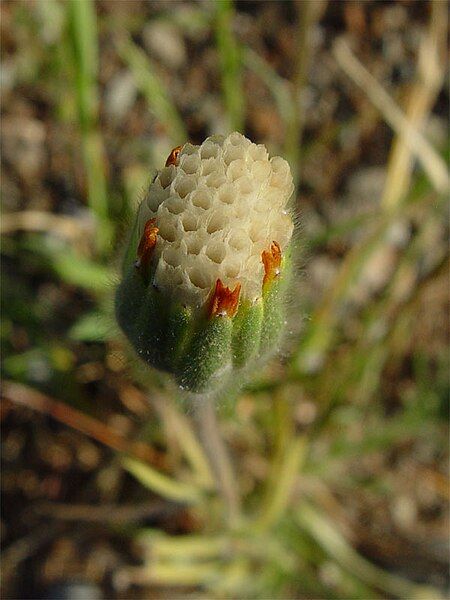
(154,91)
(329,538)
(230,64)
(161,484)
(418,145)
(84,46)
(308,12)
(278,87)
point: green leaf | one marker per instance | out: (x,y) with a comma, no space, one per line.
(91,327)
(161,484)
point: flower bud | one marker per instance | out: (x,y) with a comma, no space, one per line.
(204,277)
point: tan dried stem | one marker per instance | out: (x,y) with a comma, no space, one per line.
(406,128)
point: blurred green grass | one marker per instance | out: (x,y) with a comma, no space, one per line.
(339,361)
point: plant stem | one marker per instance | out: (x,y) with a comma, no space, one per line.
(327,535)
(160,484)
(230,62)
(181,429)
(308,12)
(290,450)
(404,125)
(83,29)
(153,89)
(26,396)
(209,432)
(281,485)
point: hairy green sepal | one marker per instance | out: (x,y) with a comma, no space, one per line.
(202,352)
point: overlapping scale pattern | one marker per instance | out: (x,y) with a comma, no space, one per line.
(217,209)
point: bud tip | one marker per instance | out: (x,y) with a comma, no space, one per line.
(224,301)
(173,156)
(147,243)
(272,261)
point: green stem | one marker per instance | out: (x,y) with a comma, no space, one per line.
(152,87)
(186,439)
(215,448)
(230,64)
(84,44)
(289,453)
(308,11)
(281,484)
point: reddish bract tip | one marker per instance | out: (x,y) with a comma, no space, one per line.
(147,243)
(224,302)
(272,261)
(173,156)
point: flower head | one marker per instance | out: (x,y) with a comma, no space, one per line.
(201,293)
(217,207)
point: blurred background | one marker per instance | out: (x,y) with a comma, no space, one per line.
(343,439)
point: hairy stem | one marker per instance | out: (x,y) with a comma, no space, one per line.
(210,435)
